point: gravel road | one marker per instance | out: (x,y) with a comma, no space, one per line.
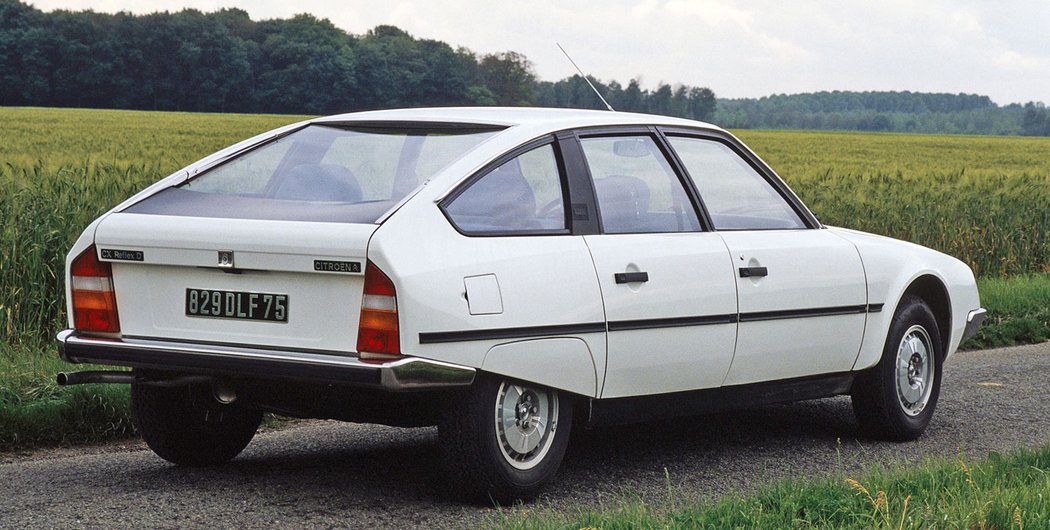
(329,474)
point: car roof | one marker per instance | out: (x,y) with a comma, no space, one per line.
(552,119)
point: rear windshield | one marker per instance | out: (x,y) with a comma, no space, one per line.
(350,174)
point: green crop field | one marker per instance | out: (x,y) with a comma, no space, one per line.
(983,199)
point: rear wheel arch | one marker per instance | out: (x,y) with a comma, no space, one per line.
(563,363)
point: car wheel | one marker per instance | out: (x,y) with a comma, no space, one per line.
(187,426)
(896,399)
(503,440)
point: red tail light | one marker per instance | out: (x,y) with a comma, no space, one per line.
(377,333)
(94,303)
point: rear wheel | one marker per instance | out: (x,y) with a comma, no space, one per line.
(187,426)
(504,440)
(895,400)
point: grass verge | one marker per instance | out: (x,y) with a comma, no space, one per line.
(36,412)
(1018,311)
(1000,492)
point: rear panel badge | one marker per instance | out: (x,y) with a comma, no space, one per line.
(323,265)
(121,255)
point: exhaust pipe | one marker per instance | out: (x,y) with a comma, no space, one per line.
(127,378)
(95,376)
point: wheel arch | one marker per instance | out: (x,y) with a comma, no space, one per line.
(562,363)
(894,269)
(926,285)
(933,291)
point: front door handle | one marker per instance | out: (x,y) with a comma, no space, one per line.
(631,277)
(753,272)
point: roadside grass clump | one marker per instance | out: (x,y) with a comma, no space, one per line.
(999,492)
(36,412)
(1018,311)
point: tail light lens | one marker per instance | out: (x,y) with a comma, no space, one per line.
(94,302)
(377,332)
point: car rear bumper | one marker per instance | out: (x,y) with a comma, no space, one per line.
(410,373)
(973,322)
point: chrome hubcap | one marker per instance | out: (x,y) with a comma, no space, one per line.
(526,419)
(914,370)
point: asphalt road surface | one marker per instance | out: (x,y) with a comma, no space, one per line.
(329,474)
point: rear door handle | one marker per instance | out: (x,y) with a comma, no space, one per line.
(753,272)
(631,277)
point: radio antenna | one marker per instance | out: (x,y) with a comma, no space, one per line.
(599,94)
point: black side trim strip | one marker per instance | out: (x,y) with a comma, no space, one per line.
(652,323)
(803,313)
(509,333)
(437,337)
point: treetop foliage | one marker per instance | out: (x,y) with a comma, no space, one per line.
(885,111)
(226,62)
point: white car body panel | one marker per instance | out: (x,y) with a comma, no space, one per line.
(891,267)
(807,270)
(532,360)
(272,257)
(689,276)
(544,281)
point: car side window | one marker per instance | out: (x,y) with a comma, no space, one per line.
(637,190)
(736,195)
(523,194)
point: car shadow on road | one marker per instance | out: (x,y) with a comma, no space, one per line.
(335,466)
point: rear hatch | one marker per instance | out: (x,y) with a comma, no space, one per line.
(237,281)
(268,248)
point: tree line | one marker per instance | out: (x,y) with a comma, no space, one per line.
(226,62)
(885,111)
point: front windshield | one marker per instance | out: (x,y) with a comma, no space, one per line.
(319,173)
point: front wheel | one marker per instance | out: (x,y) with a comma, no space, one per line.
(503,440)
(895,400)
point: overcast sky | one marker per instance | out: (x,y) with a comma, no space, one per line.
(738,49)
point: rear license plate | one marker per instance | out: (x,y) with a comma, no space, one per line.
(239,305)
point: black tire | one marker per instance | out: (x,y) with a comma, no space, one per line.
(894,405)
(477,459)
(186,426)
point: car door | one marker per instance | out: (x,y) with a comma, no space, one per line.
(801,289)
(670,301)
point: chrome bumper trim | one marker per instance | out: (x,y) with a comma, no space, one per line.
(410,373)
(973,323)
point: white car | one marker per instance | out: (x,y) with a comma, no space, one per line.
(507,274)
